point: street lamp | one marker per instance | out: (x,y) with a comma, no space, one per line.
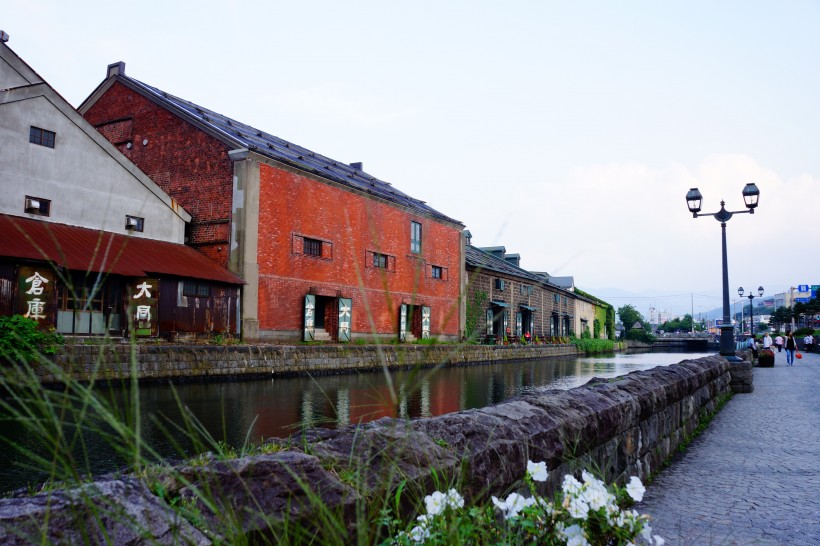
(751,309)
(694,199)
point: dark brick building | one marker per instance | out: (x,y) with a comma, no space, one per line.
(505,300)
(328,251)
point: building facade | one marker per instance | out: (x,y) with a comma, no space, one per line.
(504,300)
(90,245)
(328,251)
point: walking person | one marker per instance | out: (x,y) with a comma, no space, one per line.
(791,347)
(767,341)
(808,341)
(778,341)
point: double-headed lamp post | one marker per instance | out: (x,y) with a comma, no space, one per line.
(751,308)
(750,197)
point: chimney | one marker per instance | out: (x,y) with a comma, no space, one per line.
(357,166)
(469,237)
(4,37)
(115,69)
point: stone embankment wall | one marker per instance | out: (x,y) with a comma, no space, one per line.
(618,427)
(154,362)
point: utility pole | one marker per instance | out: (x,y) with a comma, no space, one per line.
(791,305)
(692,296)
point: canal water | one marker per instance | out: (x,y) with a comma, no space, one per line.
(240,413)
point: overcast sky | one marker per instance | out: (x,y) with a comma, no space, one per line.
(568,132)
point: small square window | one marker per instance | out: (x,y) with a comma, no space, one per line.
(380,260)
(134,223)
(312,247)
(436,272)
(37,205)
(42,137)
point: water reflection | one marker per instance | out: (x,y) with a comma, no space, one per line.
(248,411)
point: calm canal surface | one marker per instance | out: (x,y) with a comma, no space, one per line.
(241,412)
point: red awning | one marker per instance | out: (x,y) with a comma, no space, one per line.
(82,249)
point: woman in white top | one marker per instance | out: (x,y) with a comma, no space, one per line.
(767,341)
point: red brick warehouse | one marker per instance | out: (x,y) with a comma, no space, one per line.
(328,251)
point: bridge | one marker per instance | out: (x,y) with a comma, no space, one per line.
(690,342)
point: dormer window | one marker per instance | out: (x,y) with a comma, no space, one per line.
(37,205)
(134,223)
(42,137)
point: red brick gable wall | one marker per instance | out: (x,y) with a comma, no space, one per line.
(185,162)
(293,206)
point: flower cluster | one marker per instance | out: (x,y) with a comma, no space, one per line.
(583,513)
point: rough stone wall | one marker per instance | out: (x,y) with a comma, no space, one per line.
(620,427)
(112,361)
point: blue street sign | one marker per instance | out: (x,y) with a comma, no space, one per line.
(802,287)
(802,300)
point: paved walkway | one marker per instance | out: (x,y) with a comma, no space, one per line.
(753,477)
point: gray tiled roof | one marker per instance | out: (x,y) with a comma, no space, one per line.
(480,259)
(263,143)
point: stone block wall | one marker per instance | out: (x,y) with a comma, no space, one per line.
(617,428)
(158,362)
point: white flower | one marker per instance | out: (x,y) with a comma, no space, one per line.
(537,471)
(571,486)
(596,497)
(435,503)
(589,478)
(425,520)
(513,504)
(419,534)
(646,533)
(454,500)
(578,508)
(575,536)
(635,489)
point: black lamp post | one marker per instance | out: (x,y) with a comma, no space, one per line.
(750,197)
(751,308)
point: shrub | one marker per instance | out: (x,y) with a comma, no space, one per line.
(22,340)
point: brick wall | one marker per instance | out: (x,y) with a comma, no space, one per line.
(542,298)
(354,227)
(185,162)
(195,169)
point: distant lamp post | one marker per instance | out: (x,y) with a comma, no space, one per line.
(694,200)
(751,308)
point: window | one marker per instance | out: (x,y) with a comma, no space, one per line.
(134,223)
(380,260)
(436,272)
(312,247)
(196,289)
(41,137)
(415,237)
(37,205)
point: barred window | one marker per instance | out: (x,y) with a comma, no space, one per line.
(312,247)
(436,272)
(380,260)
(196,289)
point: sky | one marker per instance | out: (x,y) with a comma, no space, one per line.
(567,132)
